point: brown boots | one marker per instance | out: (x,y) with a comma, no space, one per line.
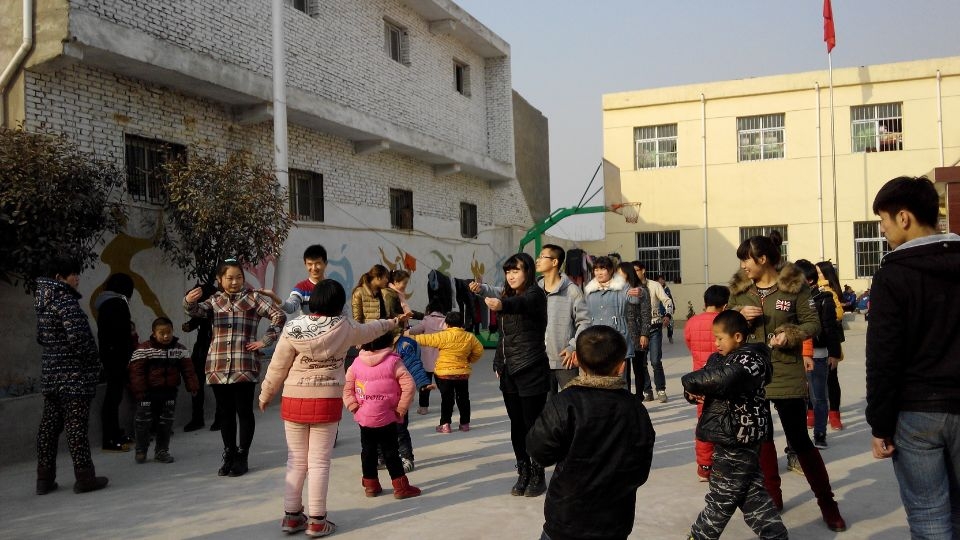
(819,481)
(87,480)
(371,487)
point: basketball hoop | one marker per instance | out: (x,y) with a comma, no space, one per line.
(629,210)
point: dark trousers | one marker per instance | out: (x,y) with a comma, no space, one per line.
(116,376)
(69,414)
(384,439)
(833,389)
(404,442)
(560,377)
(736,482)
(639,363)
(523,412)
(156,407)
(235,408)
(424,397)
(454,390)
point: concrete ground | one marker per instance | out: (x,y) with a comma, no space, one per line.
(465,477)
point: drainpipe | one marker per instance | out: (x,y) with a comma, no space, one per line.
(819,173)
(279,110)
(939,117)
(703,158)
(18,58)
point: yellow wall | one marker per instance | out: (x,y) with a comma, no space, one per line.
(772,192)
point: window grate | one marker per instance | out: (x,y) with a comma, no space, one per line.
(306,195)
(655,146)
(765,230)
(869,247)
(876,128)
(401,209)
(468,220)
(760,137)
(144,159)
(660,253)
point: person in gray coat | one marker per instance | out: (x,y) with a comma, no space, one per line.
(567,315)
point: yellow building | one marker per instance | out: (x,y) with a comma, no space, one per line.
(715,163)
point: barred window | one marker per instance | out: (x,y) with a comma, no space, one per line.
(655,146)
(401,209)
(869,246)
(468,220)
(144,163)
(760,137)
(876,128)
(660,253)
(300,5)
(461,77)
(306,195)
(765,230)
(395,42)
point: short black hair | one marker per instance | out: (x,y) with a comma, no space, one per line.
(603,262)
(119,283)
(381,342)
(63,266)
(808,269)
(601,349)
(558,253)
(917,195)
(454,319)
(761,246)
(434,306)
(160,321)
(638,264)
(731,322)
(315,251)
(327,298)
(716,296)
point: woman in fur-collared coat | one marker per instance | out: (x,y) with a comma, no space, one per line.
(775,299)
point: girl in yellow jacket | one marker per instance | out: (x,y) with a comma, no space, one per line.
(458,349)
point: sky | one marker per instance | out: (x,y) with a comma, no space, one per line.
(567,54)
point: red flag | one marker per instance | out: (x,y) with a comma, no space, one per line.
(829,34)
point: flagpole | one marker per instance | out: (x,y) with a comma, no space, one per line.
(833,164)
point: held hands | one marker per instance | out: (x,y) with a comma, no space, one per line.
(194,295)
(255,346)
(493,303)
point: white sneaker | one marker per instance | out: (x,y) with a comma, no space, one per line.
(662,396)
(407,464)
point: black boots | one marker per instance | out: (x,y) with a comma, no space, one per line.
(87,480)
(538,484)
(229,455)
(523,469)
(239,463)
(46,480)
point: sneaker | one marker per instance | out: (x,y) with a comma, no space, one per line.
(317,528)
(407,464)
(703,473)
(444,428)
(140,456)
(293,522)
(820,440)
(662,396)
(648,395)
(163,456)
(793,464)
(423,410)
(464,427)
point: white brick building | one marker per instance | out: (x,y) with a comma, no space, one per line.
(389,102)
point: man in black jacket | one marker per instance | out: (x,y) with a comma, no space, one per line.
(913,356)
(601,438)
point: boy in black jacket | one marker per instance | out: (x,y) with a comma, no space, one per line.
(601,439)
(736,419)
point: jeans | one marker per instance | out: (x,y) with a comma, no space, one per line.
(156,407)
(927,465)
(655,354)
(818,393)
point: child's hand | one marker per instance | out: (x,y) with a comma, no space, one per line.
(354,408)
(255,346)
(430,386)
(404,318)
(194,295)
(400,412)
(693,398)
(262,404)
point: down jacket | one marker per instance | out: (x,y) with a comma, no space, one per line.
(788,309)
(458,349)
(601,439)
(70,365)
(523,328)
(608,304)
(735,408)
(159,367)
(830,329)
(698,333)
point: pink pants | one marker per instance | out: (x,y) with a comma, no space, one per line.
(309,447)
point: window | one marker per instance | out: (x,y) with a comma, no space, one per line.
(869,246)
(765,230)
(760,137)
(401,209)
(299,5)
(306,195)
(655,146)
(461,77)
(144,161)
(468,220)
(660,253)
(876,128)
(395,42)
